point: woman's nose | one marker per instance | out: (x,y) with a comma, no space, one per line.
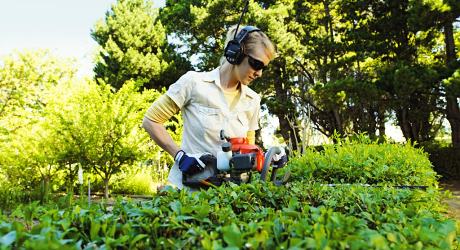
(258,73)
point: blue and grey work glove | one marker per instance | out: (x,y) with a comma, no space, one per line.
(189,165)
(280,159)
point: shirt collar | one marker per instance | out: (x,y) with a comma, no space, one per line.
(213,76)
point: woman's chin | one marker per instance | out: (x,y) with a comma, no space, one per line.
(246,81)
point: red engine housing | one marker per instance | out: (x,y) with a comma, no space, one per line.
(241,145)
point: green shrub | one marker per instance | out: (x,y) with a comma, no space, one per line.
(365,162)
(446,161)
(134,181)
(304,214)
(12,194)
(257,215)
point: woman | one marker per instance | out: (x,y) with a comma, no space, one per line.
(212,101)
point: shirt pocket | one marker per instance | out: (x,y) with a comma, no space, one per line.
(211,118)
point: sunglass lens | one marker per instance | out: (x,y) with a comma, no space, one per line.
(256,64)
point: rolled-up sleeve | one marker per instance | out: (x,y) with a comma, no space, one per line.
(181,91)
(162,109)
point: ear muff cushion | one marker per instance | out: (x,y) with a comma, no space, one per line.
(234,50)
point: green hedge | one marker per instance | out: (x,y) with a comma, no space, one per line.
(446,161)
(304,214)
(365,162)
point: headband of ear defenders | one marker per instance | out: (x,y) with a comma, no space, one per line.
(234,51)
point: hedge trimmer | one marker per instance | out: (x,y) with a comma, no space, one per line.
(236,163)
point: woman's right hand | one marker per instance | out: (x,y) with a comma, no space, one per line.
(189,165)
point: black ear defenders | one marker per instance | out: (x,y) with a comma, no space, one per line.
(234,51)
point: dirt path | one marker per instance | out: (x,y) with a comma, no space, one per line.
(454,201)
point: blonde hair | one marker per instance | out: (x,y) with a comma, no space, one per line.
(253,39)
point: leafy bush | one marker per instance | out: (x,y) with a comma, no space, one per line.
(304,214)
(10,194)
(251,216)
(134,181)
(446,161)
(365,162)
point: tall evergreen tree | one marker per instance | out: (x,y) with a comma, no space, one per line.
(449,12)
(393,34)
(134,46)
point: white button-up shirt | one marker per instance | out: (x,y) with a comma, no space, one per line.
(205,112)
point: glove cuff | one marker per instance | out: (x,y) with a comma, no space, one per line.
(179,155)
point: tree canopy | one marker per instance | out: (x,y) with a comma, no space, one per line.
(347,66)
(133,46)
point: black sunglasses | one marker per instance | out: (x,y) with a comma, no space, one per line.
(256,64)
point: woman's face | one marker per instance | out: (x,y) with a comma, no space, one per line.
(252,65)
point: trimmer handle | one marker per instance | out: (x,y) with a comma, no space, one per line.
(268,160)
(277,165)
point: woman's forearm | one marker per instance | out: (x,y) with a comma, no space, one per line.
(160,136)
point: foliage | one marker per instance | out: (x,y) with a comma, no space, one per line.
(356,217)
(445,160)
(331,50)
(357,102)
(104,126)
(10,194)
(24,76)
(255,215)
(134,47)
(452,83)
(29,151)
(134,180)
(413,91)
(59,122)
(367,162)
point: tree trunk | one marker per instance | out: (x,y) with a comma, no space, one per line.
(338,125)
(381,123)
(106,187)
(283,110)
(287,131)
(372,121)
(45,189)
(450,42)
(258,138)
(453,116)
(404,124)
(414,117)
(452,109)
(70,179)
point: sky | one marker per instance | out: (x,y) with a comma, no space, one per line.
(62,26)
